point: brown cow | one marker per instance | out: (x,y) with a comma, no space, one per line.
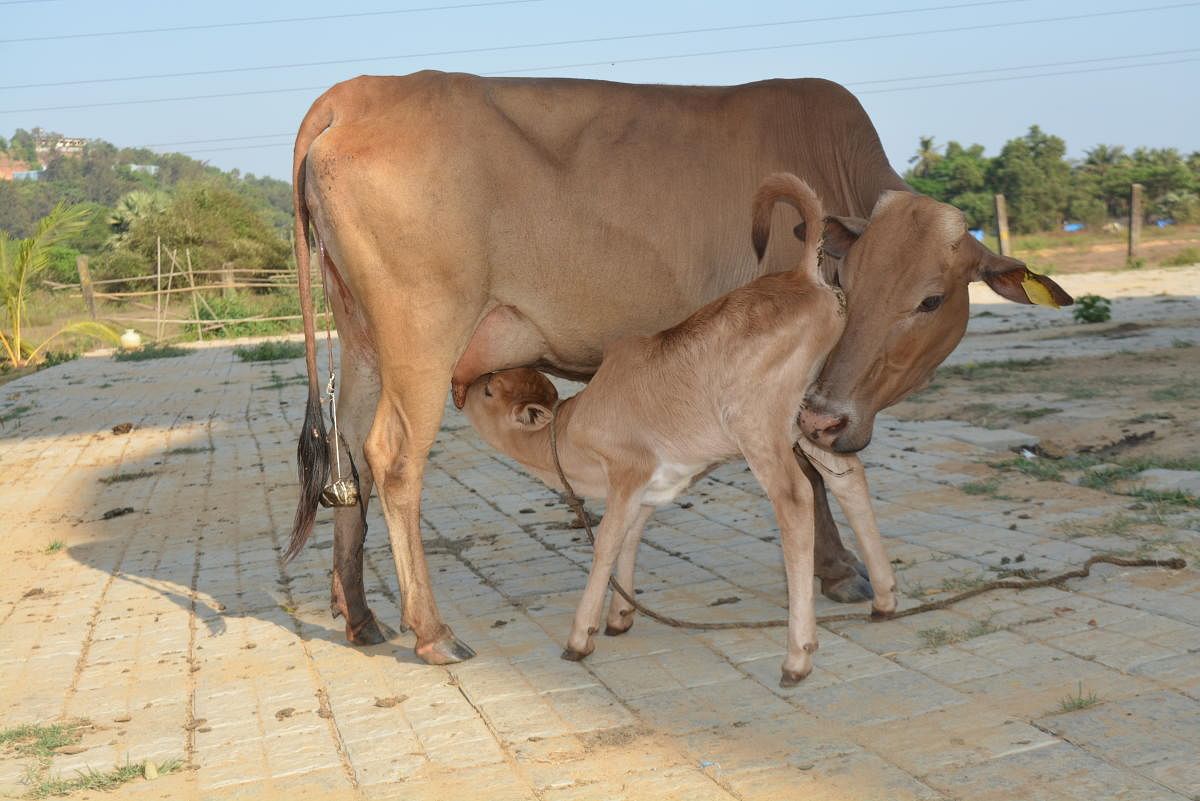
(471,224)
(664,410)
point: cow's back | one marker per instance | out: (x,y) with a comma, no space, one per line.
(555,193)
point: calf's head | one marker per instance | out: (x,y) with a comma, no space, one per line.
(905,273)
(509,403)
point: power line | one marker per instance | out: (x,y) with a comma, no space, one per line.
(222,139)
(505,48)
(1034,75)
(249,23)
(876,37)
(852,83)
(1025,67)
(761,48)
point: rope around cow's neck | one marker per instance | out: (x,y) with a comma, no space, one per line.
(577,506)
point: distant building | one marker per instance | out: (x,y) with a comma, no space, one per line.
(49,143)
(151,169)
(26,175)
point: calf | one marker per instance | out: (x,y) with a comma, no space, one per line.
(663,410)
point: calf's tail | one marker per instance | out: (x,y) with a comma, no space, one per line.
(786,187)
(312,451)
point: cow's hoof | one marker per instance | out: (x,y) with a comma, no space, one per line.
(860,568)
(848,590)
(571,655)
(370,632)
(878,615)
(445,651)
(790,678)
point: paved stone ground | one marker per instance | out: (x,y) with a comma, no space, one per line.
(179,633)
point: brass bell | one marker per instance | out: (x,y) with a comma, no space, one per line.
(342,492)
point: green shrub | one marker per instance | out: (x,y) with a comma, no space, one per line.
(272,351)
(1092,309)
(152,351)
(243,305)
(1183,258)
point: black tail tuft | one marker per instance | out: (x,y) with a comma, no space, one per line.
(312,458)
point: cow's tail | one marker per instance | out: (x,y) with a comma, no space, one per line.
(312,452)
(786,187)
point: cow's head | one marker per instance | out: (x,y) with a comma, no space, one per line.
(905,273)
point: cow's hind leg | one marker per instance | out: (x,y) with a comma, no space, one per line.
(407,419)
(843,577)
(357,398)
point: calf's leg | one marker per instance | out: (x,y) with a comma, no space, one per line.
(621,509)
(791,495)
(620,611)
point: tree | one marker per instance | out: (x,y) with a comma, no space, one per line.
(927,155)
(1034,177)
(21,262)
(958,177)
(132,208)
(218,225)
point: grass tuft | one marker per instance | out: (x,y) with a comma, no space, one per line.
(990,488)
(938,636)
(54,547)
(189,449)
(271,351)
(150,352)
(1078,700)
(47,786)
(118,478)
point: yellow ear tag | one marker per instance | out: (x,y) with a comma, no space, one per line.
(1036,292)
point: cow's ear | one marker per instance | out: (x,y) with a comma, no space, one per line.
(840,233)
(530,416)
(1011,279)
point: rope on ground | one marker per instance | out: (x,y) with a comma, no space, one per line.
(576,505)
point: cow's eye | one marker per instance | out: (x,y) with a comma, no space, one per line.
(930,303)
(487,392)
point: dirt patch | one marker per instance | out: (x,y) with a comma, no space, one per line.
(1136,405)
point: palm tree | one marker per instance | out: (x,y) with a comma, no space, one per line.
(134,206)
(927,155)
(21,261)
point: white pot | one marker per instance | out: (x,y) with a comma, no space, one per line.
(131,340)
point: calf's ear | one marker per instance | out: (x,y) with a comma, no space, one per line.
(530,416)
(840,233)
(1011,279)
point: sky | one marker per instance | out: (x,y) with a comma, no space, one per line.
(1090,71)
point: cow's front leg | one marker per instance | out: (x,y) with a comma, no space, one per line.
(843,577)
(847,479)
(621,510)
(620,611)
(407,419)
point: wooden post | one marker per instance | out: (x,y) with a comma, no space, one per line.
(227,278)
(85,283)
(1002,226)
(158,293)
(1135,222)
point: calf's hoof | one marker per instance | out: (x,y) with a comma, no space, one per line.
(572,655)
(878,615)
(790,678)
(369,632)
(624,624)
(446,650)
(848,590)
